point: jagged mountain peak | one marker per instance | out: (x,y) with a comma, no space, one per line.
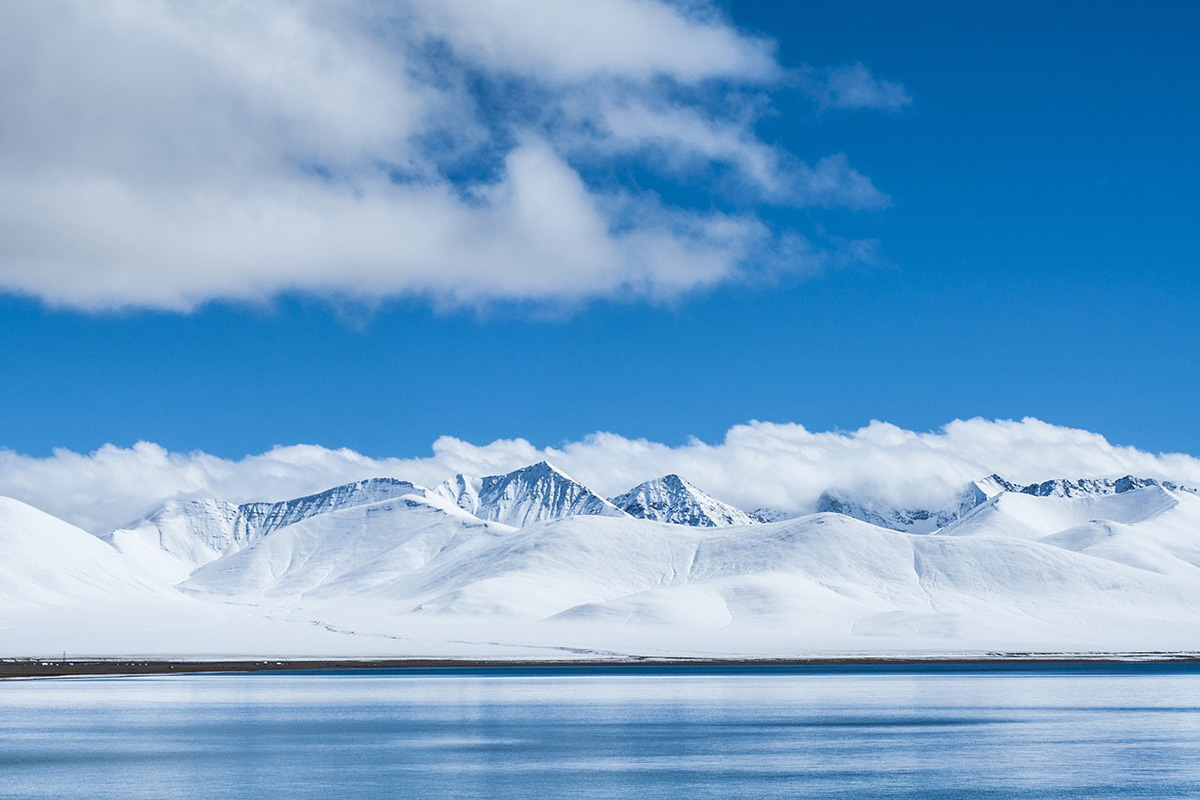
(908,520)
(1081,487)
(916,519)
(259,519)
(977,493)
(461,490)
(673,499)
(535,493)
(197,531)
(993,485)
(766,514)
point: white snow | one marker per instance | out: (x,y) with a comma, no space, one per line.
(532,494)
(673,499)
(535,563)
(47,562)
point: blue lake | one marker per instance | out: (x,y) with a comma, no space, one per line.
(1083,732)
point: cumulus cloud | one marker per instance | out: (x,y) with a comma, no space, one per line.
(759,464)
(164,153)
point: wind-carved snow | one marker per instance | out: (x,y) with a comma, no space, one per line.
(1062,564)
(673,499)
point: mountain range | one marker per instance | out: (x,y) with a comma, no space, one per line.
(535,561)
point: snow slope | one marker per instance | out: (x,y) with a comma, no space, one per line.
(1151,528)
(915,520)
(47,562)
(344,552)
(975,494)
(825,576)
(184,535)
(534,559)
(1027,516)
(830,576)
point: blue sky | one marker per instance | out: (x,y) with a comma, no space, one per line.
(1025,244)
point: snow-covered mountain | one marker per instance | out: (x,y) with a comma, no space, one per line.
(764,514)
(346,551)
(1084,487)
(185,534)
(463,491)
(673,499)
(810,573)
(975,494)
(532,494)
(388,566)
(47,562)
(908,520)
(258,519)
(914,520)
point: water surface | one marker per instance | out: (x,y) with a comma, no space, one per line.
(930,733)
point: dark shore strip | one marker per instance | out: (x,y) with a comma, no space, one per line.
(991,662)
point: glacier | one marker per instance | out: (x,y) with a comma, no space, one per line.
(534,564)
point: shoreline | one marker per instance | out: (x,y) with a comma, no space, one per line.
(18,668)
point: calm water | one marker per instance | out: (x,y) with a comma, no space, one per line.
(660,734)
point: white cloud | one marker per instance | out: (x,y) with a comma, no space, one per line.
(759,464)
(854,87)
(567,43)
(685,140)
(163,153)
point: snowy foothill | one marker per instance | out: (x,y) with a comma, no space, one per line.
(534,564)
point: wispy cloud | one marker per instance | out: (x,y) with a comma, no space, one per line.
(853,87)
(783,466)
(164,153)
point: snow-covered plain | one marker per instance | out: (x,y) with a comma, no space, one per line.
(535,565)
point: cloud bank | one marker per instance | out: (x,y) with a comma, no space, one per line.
(760,464)
(165,153)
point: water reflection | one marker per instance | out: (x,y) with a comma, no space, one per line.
(664,734)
